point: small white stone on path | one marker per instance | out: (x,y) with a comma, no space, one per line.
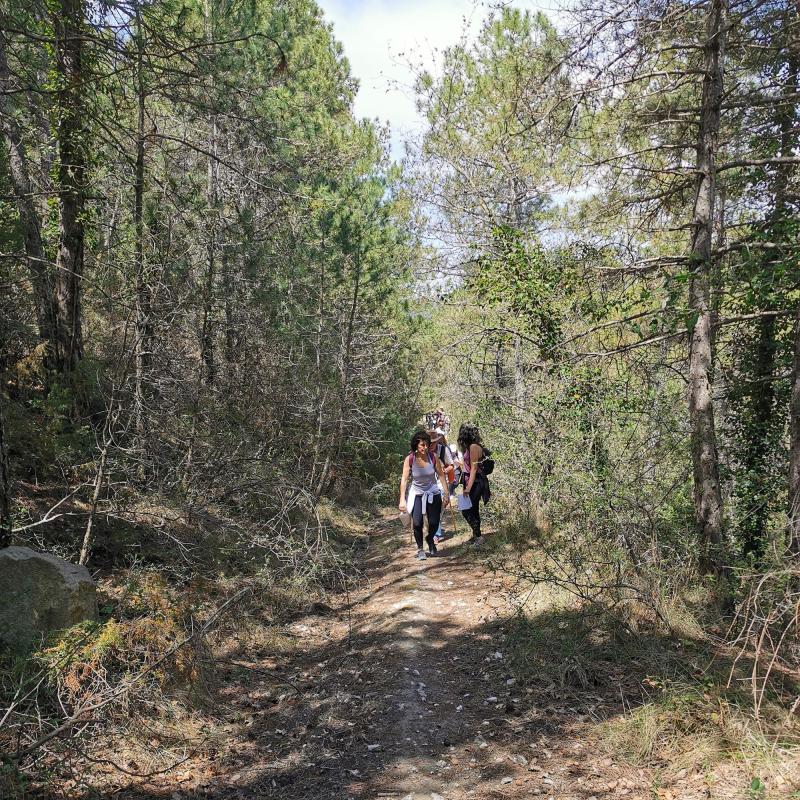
(507,780)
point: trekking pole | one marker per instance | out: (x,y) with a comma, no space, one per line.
(453,512)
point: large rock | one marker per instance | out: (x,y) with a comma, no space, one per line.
(40,593)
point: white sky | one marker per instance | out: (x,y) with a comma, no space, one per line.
(381,37)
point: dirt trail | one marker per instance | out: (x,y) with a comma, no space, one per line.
(406,693)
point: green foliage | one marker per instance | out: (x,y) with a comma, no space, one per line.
(13,783)
(482,162)
(761,362)
(757,789)
(85,643)
(269,267)
(526,283)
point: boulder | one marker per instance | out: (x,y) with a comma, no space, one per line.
(39,593)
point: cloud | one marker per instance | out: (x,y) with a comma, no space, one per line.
(382,40)
(388,41)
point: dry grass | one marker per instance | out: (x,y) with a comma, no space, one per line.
(345,521)
(678,728)
(674,700)
(685,730)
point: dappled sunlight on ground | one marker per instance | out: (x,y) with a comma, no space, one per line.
(412,690)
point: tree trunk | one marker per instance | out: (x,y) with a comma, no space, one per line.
(28,215)
(716,288)
(229,283)
(789,137)
(519,376)
(763,438)
(345,372)
(707,493)
(5,489)
(759,442)
(68,24)
(320,393)
(794,452)
(207,331)
(499,379)
(88,535)
(143,323)
(100,478)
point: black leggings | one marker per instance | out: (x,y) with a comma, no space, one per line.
(434,512)
(473,515)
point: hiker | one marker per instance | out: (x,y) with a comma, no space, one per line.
(473,479)
(424,495)
(440,448)
(456,456)
(430,420)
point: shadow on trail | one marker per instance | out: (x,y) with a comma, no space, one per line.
(432,697)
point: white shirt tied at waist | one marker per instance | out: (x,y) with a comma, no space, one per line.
(426,495)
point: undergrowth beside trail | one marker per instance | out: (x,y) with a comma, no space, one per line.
(664,691)
(147,674)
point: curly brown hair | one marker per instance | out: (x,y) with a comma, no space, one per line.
(419,436)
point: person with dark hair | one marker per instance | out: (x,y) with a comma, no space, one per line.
(424,494)
(473,479)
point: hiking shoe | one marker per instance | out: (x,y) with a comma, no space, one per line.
(432,550)
(421,555)
(476,541)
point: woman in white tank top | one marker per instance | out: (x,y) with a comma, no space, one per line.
(424,493)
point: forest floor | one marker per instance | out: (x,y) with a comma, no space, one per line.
(407,691)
